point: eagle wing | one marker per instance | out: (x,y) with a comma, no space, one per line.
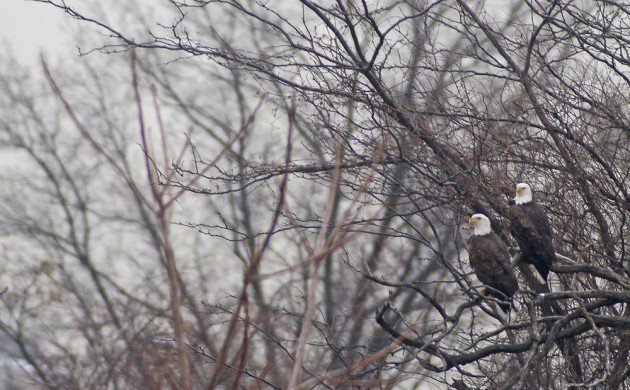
(541,219)
(531,229)
(490,259)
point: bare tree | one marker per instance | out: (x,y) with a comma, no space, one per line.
(386,124)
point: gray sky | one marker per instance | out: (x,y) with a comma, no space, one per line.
(33,27)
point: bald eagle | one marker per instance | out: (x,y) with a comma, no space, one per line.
(530,227)
(490,259)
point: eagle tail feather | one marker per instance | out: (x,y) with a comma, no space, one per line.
(542,269)
(504,301)
(506,307)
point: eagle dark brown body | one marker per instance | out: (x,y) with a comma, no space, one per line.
(490,259)
(530,227)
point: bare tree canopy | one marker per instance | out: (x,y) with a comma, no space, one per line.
(269,194)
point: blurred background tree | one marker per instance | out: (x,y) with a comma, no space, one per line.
(323,158)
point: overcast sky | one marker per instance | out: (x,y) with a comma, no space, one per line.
(33,27)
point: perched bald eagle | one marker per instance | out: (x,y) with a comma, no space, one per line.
(530,227)
(490,259)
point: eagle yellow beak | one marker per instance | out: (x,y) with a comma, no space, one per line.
(519,190)
(472,220)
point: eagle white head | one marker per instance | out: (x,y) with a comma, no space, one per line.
(481,224)
(523,193)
